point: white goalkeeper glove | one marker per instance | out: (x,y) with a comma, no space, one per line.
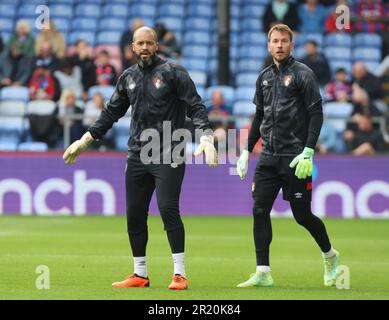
(242,164)
(74,150)
(206,146)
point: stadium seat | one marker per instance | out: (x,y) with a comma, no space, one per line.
(243,108)
(82,35)
(235,9)
(61,11)
(245,93)
(198,24)
(251,10)
(172,23)
(234,25)
(62,24)
(338,39)
(197,37)
(173,10)
(302,38)
(299,52)
(34,146)
(112,24)
(367,40)
(198,77)
(108,37)
(366,54)
(41,107)
(6,25)
(148,21)
(11,129)
(195,51)
(106,91)
(12,108)
(251,25)
(200,10)
(246,79)
(84,24)
(7,10)
(115,10)
(194,64)
(121,132)
(337,109)
(337,53)
(7,145)
(249,65)
(26,10)
(258,52)
(248,38)
(88,10)
(14,93)
(143,10)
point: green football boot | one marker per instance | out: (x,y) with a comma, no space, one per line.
(260,279)
(330,269)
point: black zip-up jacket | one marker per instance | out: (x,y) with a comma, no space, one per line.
(160,92)
(289,111)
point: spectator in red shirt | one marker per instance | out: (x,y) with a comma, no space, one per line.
(370,15)
(339,90)
(105,72)
(43,85)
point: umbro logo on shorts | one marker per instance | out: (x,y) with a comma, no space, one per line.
(298,195)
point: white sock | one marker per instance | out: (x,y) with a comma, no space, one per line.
(140,266)
(179,266)
(328,254)
(264,269)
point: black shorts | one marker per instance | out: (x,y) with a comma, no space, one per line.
(273,173)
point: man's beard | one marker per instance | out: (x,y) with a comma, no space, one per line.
(145,63)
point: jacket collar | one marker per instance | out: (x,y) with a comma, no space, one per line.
(285,64)
(156,60)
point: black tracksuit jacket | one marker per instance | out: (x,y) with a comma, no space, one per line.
(289,111)
(161,92)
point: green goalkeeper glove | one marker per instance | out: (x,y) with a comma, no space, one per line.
(206,146)
(242,164)
(304,163)
(74,150)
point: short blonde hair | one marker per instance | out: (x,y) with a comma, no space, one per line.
(280,28)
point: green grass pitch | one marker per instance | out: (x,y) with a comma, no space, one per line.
(86,254)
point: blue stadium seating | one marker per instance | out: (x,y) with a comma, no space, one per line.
(227,91)
(253,38)
(336,64)
(88,10)
(14,93)
(338,39)
(248,65)
(34,146)
(112,24)
(115,10)
(195,51)
(108,37)
(246,79)
(253,11)
(143,10)
(198,77)
(106,91)
(250,24)
(337,109)
(367,54)
(6,25)
(367,40)
(302,38)
(198,24)
(243,108)
(62,24)
(338,53)
(252,52)
(197,37)
(61,11)
(7,10)
(26,10)
(84,24)
(245,93)
(172,23)
(201,10)
(195,64)
(174,10)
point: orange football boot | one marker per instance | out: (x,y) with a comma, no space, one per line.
(178,283)
(132,281)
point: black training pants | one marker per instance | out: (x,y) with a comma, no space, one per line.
(141,181)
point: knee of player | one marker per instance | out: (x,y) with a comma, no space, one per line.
(259,212)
